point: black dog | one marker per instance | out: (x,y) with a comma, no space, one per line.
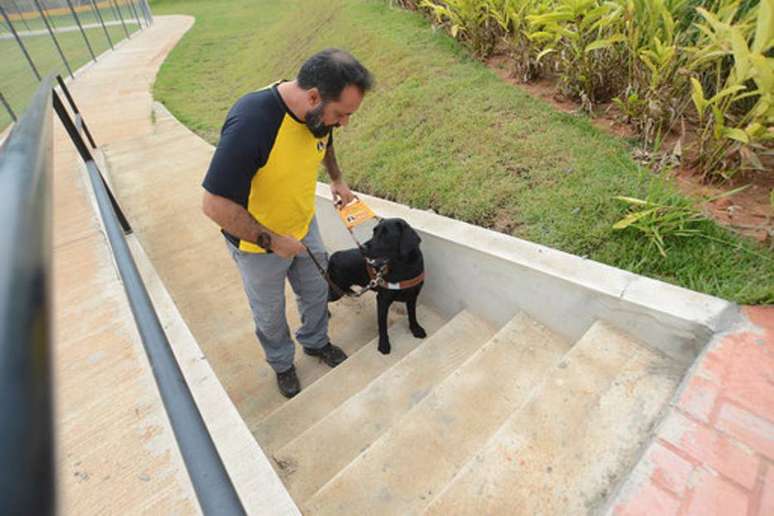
(395,244)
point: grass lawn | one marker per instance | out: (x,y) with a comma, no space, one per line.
(443,132)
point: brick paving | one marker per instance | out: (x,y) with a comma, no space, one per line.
(714,452)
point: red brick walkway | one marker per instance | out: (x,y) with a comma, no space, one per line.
(714,452)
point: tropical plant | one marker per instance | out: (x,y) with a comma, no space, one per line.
(662,217)
(654,99)
(576,36)
(730,139)
(659,222)
(511,16)
(468,20)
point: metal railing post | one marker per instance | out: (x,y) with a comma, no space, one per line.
(19,12)
(75,110)
(56,41)
(7,106)
(21,45)
(136,15)
(113,9)
(122,17)
(145,13)
(148,10)
(78,21)
(6,23)
(86,156)
(102,22)
(45,10)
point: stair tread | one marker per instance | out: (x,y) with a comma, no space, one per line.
(320,398)
(401,471)
(581,431)
(352,326)
(330,444)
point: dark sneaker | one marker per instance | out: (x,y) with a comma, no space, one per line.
(330,354)
(288,382)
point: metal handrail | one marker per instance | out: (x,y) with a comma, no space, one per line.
(74,131)
(76,111)
(26,432)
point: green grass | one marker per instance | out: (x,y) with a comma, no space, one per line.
(443,132)
(17,81)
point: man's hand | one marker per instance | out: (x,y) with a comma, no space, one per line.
(286,247)
(341,192)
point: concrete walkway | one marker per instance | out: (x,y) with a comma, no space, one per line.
(116,449)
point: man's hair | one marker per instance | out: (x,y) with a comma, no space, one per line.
(331,70)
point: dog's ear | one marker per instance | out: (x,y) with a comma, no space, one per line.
(409,241)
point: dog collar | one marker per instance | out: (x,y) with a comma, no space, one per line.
(401,285)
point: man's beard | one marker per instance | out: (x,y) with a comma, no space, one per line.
(315,124)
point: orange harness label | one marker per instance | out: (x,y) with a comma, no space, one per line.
(355,213)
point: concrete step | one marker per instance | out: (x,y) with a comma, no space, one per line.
(328,446)
(402,470)
(352,325)
(333,389)
(564,451)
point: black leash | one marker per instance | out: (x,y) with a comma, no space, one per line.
(371,284)
(376,281)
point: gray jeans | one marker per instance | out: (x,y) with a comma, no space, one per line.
(263,276)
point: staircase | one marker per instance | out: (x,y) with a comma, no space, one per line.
(472,420)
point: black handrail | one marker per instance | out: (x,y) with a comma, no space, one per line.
(75,109)
(26,435)
(73,131)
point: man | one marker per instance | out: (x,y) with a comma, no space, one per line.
(260,189)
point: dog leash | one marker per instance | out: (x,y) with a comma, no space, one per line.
(353,215)
(375,281)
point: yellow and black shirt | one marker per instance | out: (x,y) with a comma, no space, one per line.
(267,161)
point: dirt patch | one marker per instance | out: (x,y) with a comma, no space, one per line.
(748,212)
(505,222)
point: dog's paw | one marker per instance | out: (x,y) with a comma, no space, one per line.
(384,348)
(418,332)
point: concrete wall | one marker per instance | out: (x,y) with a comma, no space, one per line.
(495,275)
